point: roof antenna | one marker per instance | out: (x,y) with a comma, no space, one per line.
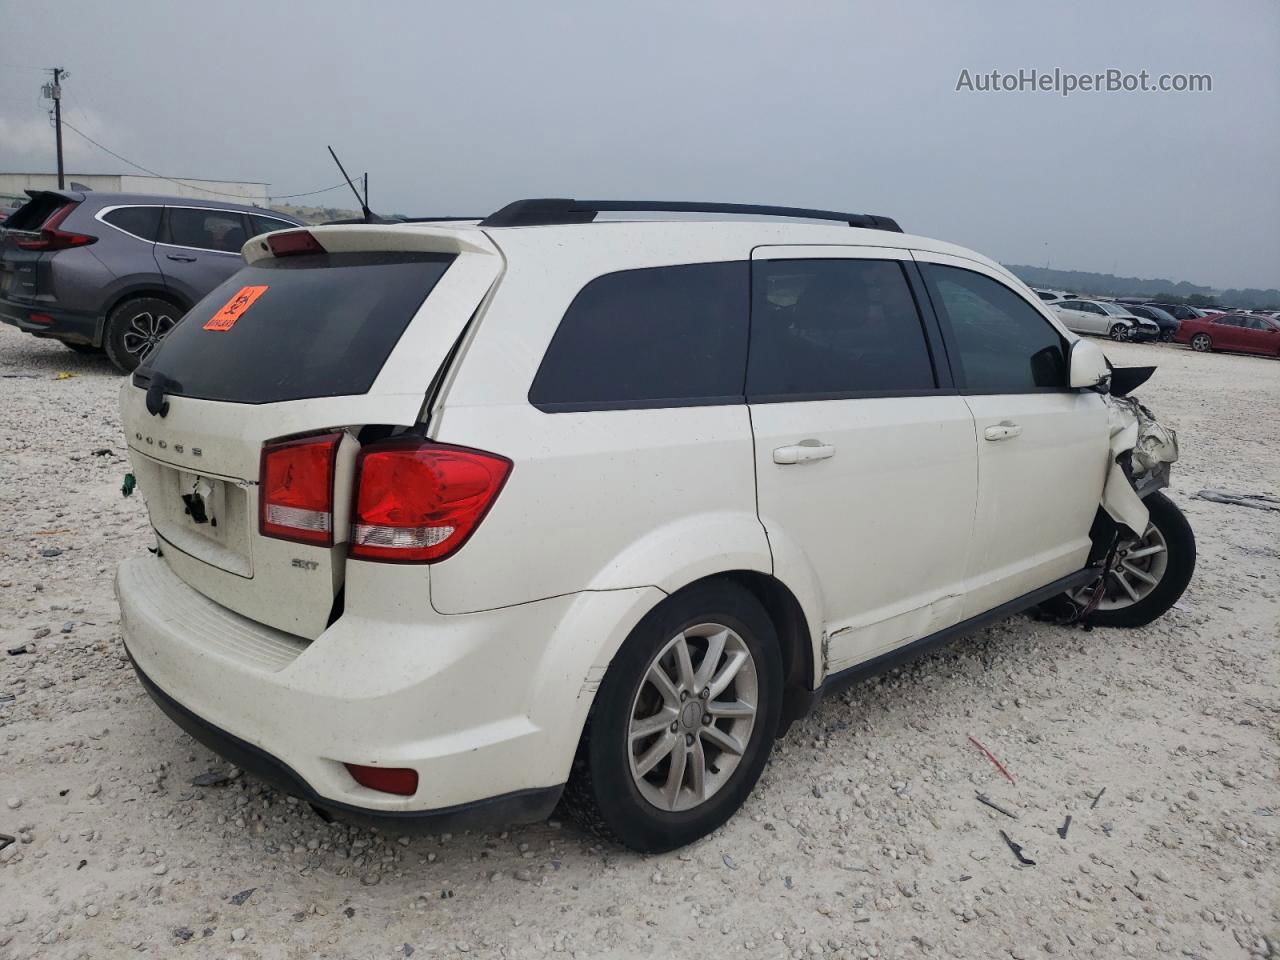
(369,215)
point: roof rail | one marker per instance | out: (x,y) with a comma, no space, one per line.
(555,210)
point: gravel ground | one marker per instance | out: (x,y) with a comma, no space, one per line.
(863,839)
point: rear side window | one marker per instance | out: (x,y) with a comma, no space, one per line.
(829,328)
(296,327)
(206,229)
(1004,345)
(657,337)
(259,225)
(142,222)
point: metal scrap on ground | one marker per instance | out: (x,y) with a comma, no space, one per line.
(991,757)
(1017,850)
(1258,501)
(983,798)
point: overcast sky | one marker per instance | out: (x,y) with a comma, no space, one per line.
(457,108)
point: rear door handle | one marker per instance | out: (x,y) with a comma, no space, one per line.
(1005,430)
(180,258)
(803,452)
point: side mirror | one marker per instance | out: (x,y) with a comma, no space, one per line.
(1088,366)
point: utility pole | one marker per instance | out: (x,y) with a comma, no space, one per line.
(53,91)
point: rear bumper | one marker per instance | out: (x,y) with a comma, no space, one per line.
(524,806)
(486,707)
(44,321)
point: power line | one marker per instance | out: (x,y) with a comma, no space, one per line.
(238,196)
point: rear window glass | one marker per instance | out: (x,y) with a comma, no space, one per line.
(296,327)
(32,214)
(656,337)
(143,222)
(206,229)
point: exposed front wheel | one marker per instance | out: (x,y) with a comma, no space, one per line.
(135,328)
(1201,343)
(1148,573)
(1119,332)
(683,722)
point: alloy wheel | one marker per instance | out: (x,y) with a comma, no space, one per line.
(1136,571)
(145,330)
(693,717)
(1201,343)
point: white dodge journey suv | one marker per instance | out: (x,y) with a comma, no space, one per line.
(457,521)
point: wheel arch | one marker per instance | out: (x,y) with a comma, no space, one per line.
(799,676)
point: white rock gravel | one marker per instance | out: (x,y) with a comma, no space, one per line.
(862,840)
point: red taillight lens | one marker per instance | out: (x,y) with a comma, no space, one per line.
(399,780)
(418,501)
(52,238)
(295,492)
(294,243)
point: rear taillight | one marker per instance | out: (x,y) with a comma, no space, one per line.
(418,502)
(53,238)
(295,492)
(294,243)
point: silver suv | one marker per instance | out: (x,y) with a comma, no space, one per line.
(115,271)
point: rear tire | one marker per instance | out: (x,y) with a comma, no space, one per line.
(135,328)
(1168,527)
(1201,343)
(616,785)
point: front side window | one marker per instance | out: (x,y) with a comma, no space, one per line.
(1003,343)
(655,337)
(206,229)
(829,328)
(142,222)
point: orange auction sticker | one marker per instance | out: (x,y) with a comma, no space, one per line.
(226,318)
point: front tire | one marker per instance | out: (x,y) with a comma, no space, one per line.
(1150,572)
(683,722)
(135,328)
(1119,332)
(1201,343)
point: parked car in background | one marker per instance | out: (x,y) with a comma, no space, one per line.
(1104,319)
(1179,311)
(116,271)
(770,456)
(1235,332)
(1049,296)
(1167,323)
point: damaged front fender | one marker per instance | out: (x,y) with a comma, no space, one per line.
(1142,450)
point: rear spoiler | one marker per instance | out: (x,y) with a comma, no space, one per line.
(73,195)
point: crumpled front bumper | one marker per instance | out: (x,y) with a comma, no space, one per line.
(1142,452)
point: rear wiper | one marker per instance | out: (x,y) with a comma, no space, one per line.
(157,386)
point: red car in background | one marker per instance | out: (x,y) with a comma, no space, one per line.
(1237,332)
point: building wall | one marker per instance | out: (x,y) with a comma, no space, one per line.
(230,190)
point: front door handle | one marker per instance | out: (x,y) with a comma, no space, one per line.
(1004,430)
(180,258)
(803,452)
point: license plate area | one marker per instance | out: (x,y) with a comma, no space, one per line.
(204,516)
